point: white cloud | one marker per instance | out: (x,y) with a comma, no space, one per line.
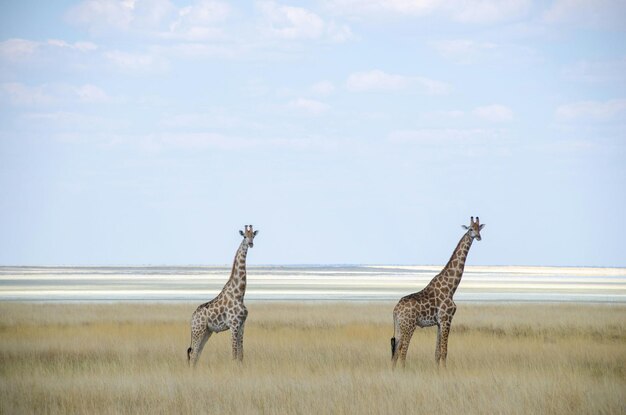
(309,106)
(103,15)
(91,94)
(205,120)
(593,13)
(597,71)
(592,110)
(292,22)
(377,7)
(467,11)
(377,80)
(199,21)
(197,50)
(494,113)
(206,12)
(488,11)
(53,94)
(443,143)
(136,62)
(16,49)
(463,51)
(69,121)
(155,18)
(443,115)
(467,51)
(79,46)
(443,136)
(199,140)
(194,33)
(184,140)
(323,88)
(23,95)
(297,23)
(431,86)
(21,49)
(339,32)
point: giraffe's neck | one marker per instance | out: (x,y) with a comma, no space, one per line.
(450,276)
(236,285)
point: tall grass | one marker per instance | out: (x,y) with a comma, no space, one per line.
(312,358)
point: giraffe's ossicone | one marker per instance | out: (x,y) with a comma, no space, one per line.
(226,311)
(433,305)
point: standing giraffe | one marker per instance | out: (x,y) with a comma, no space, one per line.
(226,311)
(433,305)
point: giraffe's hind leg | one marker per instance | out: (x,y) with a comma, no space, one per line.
(199,338)
(403,346)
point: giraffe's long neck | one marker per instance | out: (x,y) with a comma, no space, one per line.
(451,274)
(236,285)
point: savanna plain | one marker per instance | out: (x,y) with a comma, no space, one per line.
(130,358)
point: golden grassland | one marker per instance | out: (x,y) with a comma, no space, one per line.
(123,358)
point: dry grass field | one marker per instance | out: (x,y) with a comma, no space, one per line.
(125,358)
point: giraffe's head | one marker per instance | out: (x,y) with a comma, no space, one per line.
(474,228)
(248,235)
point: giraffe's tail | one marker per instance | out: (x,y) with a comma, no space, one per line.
(396,333)
(189,355)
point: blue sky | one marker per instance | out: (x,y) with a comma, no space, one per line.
(347,131)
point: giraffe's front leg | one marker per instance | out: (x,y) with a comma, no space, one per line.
(240,342)
(444,321)
(442,339)
(236,333)
(438,345)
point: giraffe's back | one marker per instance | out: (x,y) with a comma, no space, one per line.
(211,315)
(419,308)
(220,314)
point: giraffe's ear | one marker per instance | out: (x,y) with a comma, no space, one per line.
(241,233)
(464,227)
(481,227)
(255,232)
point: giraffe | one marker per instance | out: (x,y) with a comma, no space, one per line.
(433,305)
(226,311)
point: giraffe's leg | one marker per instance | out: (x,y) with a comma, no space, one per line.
(240,342)
(396,345)
(445,321)
(207,334)
(403,347)
(236,333)
(444,330)
(198,340)
(438,345)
